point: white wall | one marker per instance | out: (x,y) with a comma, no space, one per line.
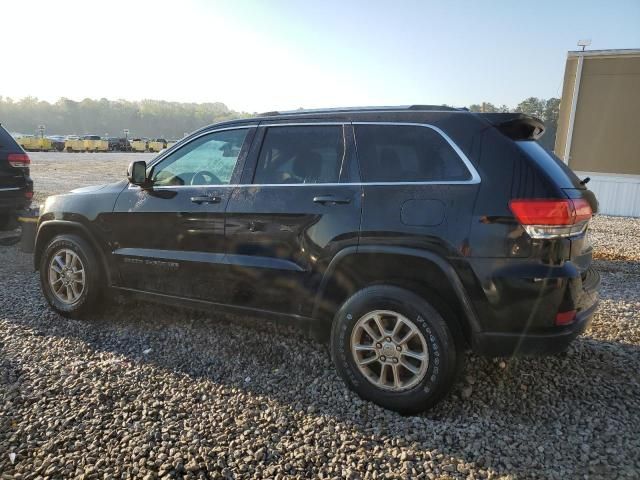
(617,194)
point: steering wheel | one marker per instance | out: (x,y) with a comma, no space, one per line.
(207,177)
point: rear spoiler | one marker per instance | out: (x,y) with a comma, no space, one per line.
(516,126)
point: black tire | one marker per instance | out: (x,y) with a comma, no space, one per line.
(445,351)
(9,222)
(4,221)
(91,297)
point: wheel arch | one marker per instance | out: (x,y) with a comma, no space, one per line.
(354,268)
(51,228)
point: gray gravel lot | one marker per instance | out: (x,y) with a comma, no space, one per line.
(55,172)
(147,391)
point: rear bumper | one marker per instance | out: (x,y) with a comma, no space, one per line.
(507,344)
(556,340)
(14,199)
(14,205)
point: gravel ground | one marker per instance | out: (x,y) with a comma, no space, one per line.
(54,172)
(146,391)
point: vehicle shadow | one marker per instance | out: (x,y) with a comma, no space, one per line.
(510,416)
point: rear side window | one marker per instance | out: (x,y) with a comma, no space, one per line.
(7,143)
(301,154)
(559,172)
(407,153)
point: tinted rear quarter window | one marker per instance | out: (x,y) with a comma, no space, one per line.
(7,142)
(407,153)
(559,172)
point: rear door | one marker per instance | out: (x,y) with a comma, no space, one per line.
(169,239)
(419,187)
(295,209)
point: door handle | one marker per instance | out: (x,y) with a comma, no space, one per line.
(331,200)
(206,199)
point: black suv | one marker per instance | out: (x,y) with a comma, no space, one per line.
(118,144)
(16,187)
(407,234)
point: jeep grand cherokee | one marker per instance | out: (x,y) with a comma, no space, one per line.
(407,234)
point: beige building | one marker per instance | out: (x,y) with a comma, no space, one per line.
(599,125)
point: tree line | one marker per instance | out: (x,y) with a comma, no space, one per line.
(145,118)
(158,118)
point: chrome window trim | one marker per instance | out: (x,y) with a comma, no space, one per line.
(350,184)
(303,124)
(10,189)
(475,177)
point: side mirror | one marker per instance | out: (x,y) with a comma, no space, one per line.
(137,173)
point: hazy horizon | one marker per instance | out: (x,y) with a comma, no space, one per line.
(140,100)
(282,55)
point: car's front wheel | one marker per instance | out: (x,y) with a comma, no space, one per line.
(394,348)
(71,276)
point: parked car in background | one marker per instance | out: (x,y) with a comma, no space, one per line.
(57,142)
(86,143)
(156,145)
(95,143)
(138,145)
(16,187)
(406,235)
(33,143)
(73,143)
(118,144)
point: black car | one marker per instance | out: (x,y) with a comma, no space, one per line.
(118,144)
(407,235)
(16,187)
(57,142)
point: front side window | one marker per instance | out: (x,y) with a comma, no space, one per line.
(407,153)
(301,154)
(207,160)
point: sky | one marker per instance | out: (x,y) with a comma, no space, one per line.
(281,54)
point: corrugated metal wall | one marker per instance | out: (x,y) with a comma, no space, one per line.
(617,194)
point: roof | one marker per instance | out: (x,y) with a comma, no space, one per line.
(396,108)
(512,124)
(604,53)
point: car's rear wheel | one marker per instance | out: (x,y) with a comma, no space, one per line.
(394,348)
(71,276)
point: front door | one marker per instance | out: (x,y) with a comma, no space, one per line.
(169,238)
(294,211)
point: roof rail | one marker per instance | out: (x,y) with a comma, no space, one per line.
(303,111)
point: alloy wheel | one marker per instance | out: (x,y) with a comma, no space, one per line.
(389,350)
(66,276)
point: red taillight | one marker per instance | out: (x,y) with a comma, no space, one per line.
(19,159)
(28,195)
(582,210)
(565,318)
(542,212)
(550,218)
